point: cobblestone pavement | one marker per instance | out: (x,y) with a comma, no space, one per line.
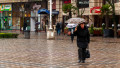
(38,52)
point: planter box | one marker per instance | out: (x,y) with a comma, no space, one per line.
(97,32)
(108,33)
(118,33)
(8,35)
(65,31)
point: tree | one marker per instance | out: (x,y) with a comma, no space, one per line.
(106,11)
(79,13)
(67,9)
(111,3)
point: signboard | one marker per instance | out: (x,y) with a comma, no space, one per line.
(95,10)
(55,12)
(5,7)
(82,3)
(67,1)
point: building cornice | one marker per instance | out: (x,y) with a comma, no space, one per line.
(12,1)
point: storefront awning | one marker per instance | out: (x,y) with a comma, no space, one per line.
(43,11)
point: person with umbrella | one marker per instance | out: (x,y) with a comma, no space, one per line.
(83,39)
(71,29)
(72,35)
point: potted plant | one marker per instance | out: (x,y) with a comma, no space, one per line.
(97,31)
(65,30)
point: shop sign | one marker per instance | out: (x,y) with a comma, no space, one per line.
(83,3)
(55,12)
(67,1)
(5,7)
(95,10)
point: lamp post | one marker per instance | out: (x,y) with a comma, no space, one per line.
(50,31)
(50,14)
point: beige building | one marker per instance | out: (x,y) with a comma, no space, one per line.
(61,17)
(14,13)
(93,11)
(94,15)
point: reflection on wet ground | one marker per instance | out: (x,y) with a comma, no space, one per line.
(38,52)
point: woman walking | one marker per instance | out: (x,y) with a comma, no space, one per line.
(83,39)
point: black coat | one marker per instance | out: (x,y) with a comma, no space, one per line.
(83,37)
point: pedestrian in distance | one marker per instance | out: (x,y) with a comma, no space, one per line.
(58,28)
(83,39)
(72,34)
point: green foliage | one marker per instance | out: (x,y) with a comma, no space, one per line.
(106,9)
(70,8)
(97,31)
(97,28)
(91,29)
(8,35)
(67,7)
(65,28)
(74,10)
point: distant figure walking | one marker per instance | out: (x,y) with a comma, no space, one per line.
(72,33)
(58,28)
(36,28)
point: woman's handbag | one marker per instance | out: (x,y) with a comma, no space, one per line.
(87,54)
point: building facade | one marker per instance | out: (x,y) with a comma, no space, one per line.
(93,11)
(17,14)
(13,13)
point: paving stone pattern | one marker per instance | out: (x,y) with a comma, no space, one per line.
(38,52)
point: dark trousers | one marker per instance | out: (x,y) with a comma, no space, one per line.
(58,31)
(81,53)
(72,37)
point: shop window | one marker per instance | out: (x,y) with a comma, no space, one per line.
(6,20)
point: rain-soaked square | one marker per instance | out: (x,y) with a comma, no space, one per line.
(38,52)
(59,34)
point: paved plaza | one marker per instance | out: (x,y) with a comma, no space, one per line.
(38,52)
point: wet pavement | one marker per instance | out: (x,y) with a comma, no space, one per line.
(38,52)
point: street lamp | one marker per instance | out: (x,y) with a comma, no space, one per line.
(50,31)
(50,14)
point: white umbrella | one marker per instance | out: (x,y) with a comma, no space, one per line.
(75,20)
(71,25)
